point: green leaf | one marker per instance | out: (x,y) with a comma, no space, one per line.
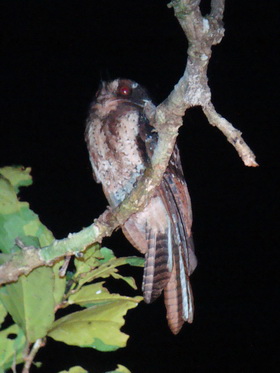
(102,263)
(107,254)
(12,345)
(120,369)
(128,279)
(88,261)
(97,327)
(59,283)
(31,303)
(16,219)
(109,268)
(18,176)
(5,258)
(76,369)
(3,313)
(96,294)
(135,261)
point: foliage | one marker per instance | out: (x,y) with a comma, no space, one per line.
(33,300)
(77,369)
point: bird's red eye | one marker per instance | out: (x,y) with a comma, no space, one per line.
(124,90)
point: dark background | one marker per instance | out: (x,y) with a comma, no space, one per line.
(53,56)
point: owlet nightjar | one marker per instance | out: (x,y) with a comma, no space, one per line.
(120,142)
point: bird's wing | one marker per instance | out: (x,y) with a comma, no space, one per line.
(163,232)
(177,293)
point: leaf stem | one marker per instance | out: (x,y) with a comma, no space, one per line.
(32,353)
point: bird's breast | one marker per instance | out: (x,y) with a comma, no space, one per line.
(115,154)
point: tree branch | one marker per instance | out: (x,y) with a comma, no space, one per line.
(232,134)
(191,90)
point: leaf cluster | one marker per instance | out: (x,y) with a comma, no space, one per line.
(33,301)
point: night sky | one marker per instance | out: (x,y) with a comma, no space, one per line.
(53,56)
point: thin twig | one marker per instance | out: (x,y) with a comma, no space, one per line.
(232,134)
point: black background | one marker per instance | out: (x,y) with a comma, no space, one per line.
(53,56)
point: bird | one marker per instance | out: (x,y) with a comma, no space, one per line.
(121,141)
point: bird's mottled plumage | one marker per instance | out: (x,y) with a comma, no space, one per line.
(121,141)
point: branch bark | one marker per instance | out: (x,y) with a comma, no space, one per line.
(191,90)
